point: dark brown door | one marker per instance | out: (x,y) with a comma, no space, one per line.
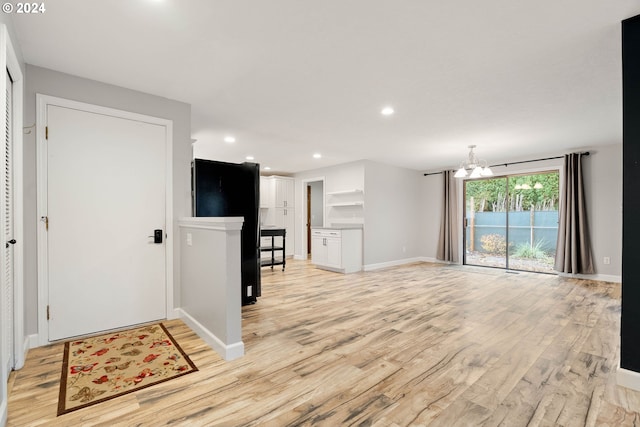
(308,220)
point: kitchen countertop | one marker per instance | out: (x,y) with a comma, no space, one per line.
(339,227)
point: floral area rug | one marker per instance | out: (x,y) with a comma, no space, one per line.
(107,366)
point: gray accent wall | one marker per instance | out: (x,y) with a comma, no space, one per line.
(49,82)
(603,188)
(392,215)
(431,194)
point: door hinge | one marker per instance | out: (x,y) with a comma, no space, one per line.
(45,219)
(48,313)
(46,132)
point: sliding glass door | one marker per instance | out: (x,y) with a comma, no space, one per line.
(486,222)
(512,221)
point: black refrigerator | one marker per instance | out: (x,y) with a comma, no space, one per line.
(231,189)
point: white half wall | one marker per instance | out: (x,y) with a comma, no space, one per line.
(211,282)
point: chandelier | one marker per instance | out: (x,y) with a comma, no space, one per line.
(478,167)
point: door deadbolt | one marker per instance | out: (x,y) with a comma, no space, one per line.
(157,236)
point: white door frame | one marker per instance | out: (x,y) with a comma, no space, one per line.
(42,102)
(9,61)
(303,222)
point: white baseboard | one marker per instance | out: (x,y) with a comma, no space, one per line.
(34,340)
(599,277)
(300,257)
(227,351)
(628,379)
(438,261)
(3,410)
(371,267)
(20,358)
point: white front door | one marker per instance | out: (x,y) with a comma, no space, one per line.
(105,196)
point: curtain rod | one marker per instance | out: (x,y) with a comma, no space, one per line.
(584,153)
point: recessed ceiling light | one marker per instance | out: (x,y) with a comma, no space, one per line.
(387,111)
(229,139)
(317,156)
(249,157)
(267,168)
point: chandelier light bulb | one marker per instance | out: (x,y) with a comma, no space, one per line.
(478,167)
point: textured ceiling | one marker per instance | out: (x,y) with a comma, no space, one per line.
(289,78)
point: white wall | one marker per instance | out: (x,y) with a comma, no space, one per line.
(49,82)
(393,214)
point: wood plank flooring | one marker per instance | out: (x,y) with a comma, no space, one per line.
(422,344)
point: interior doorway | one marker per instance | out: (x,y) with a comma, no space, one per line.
(511,221)
(313,210)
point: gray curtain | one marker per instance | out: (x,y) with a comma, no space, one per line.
(448,241)
(573,250)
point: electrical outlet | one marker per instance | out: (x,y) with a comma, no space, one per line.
(607,260)
(404,249)
(189,239)
(249,291)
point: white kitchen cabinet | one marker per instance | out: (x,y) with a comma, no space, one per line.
(318,249)
(265,192)
(277,207)
(337,249)
(326,250)
(283,192)
(334,252)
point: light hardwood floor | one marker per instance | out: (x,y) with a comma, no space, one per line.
(413,345)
